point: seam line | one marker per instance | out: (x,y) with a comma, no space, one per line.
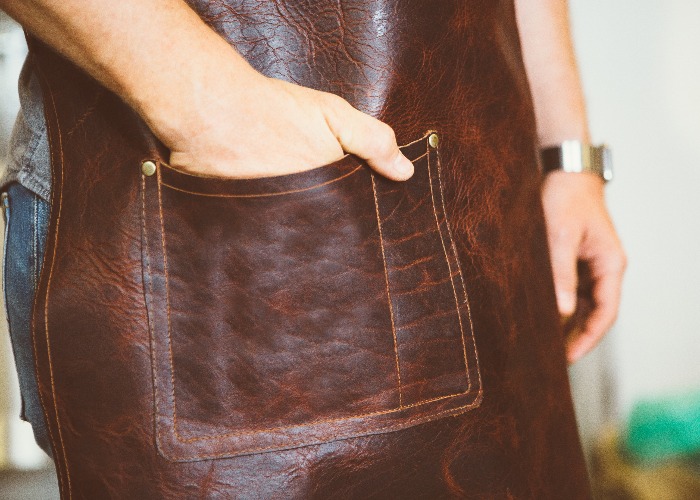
(388,294)
(449,267)
(461,274)
(46,300)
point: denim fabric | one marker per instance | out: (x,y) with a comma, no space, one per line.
(29,162)
(26,218)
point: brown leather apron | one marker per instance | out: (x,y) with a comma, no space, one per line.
(326,334)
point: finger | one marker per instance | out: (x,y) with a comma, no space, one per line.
(370,139)
(564,254)
(607,290)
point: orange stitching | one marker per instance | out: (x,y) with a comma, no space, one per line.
(306,424)
(426,418)
(233,434)
(48,286)
(461,275)
(167,305)
(388,295)
(36,359)
(420,157)
(263,195)
(449,267)
(317,422)
(154,364)
(418,140)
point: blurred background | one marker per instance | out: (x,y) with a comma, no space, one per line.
(641,74)
(638,395)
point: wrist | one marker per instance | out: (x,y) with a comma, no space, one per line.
(590,183)
(187,79)
(568,194)
(560,128)
(207,95)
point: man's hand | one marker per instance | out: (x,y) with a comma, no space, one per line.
(587,258)
(279,128)
(581,232)
(200,97)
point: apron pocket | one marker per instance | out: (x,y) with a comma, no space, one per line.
(300,309)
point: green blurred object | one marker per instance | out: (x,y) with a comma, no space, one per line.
(664,428)
(615,475)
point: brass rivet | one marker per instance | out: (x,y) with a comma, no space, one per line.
(148,168)
(433,140)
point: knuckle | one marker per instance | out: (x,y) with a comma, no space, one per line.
(389,134)
(385,142)
(335,106)
(561,237)
(333,100)
(346,136)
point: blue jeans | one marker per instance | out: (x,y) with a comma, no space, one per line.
(26,219)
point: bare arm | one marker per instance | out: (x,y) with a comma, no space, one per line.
(551,66)
(578,223)
(188,84)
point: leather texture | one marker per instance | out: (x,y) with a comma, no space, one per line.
(320,305)
(326,334)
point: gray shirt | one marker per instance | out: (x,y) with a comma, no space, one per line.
(29,161)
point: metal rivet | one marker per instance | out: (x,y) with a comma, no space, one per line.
(433,140)
(148,168)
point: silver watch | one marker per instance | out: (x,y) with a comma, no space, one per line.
(575,156)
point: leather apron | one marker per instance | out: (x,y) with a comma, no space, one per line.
(324,334)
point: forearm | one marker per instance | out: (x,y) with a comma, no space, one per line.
(157,55)
(579,228)
(551,68)
(196,92)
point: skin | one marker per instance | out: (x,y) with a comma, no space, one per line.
(579,226)
(187,83)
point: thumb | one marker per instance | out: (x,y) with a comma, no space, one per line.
(369,138)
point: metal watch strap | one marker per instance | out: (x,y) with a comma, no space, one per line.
(575,156)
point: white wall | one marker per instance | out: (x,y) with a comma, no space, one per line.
(640,64)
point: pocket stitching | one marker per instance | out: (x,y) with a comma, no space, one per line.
(147,255)
(261,195)
(449,266)
(461,276)
(267,429)
(395,426)
(425,418)
(273,193)
(388,294)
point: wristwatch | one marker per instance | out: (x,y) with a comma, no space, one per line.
(575,156)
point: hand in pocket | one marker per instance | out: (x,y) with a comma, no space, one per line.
(279,128)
